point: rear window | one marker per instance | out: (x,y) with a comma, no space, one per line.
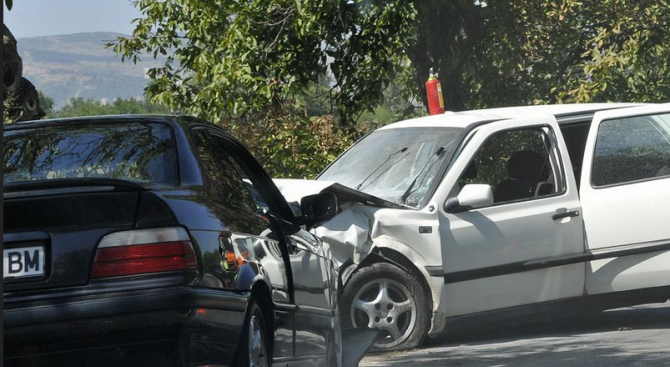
(138,152)
(632,149)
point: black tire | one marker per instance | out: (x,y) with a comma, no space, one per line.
(254,327)
(401,287)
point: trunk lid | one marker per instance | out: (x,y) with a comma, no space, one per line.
(67,184)
(51,233)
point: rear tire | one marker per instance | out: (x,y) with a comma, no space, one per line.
(253,349)
(391,299)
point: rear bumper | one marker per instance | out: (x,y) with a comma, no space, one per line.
(178,326)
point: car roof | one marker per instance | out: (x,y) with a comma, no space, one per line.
(103,119)
(181,122)
(464,119)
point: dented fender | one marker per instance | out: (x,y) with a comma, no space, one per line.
(386,249)
(369,229)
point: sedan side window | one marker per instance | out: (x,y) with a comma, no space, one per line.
(225,180)
(517,164)
(259,202)
(632,149)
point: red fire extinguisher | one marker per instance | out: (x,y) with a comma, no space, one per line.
(434,92)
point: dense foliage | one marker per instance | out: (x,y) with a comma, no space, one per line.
(89,107)
(8,103)
(545,51)
(228,58)
(119,106)
(288,145)
(294,146)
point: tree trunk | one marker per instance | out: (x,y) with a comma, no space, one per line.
(447,32)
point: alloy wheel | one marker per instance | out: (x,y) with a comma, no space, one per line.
(386,305)
(257,351)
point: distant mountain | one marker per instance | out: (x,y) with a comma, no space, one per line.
(79,65)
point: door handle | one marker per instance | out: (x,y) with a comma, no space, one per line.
(567,214)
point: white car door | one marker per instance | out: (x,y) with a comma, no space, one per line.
(625,191)
(524,247)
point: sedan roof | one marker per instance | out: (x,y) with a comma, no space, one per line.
(466,118)
(95,119)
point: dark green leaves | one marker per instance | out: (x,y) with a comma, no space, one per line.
(229,58)
(232,58)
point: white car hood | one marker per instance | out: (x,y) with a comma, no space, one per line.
(295,189)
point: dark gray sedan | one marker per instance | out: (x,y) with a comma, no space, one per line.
(158,241)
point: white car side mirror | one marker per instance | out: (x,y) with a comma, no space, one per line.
(472,196)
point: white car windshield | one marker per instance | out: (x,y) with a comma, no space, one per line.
(398,165)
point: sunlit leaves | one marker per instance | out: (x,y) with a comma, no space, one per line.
(578,51)
(294,146)
(230,58)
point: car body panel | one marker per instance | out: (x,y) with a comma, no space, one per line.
(637,217)
(476,239)
(193,323)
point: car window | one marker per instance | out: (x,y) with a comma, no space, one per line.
(575,136)
(242,169)
(224,179)
(398,165)
(138,152)
(516,164)
(632,149)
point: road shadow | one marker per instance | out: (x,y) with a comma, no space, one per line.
(623,319)
(554,352)
(636,336)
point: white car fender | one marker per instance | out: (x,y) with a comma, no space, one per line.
(436,285)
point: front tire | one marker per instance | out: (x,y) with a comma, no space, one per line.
(391,299)
(253,348)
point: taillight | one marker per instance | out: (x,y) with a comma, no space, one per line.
(143,251)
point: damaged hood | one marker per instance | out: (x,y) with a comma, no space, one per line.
(351,231)
(295,189)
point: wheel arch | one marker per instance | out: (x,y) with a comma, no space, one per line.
(260,293)
(394,252)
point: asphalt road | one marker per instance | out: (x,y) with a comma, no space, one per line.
(635,336)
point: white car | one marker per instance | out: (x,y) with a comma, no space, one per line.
(495,213)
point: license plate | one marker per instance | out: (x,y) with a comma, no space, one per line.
(23,262)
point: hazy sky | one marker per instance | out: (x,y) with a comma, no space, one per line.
(32,18)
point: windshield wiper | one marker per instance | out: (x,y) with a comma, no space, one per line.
(407,192)
(358,187)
